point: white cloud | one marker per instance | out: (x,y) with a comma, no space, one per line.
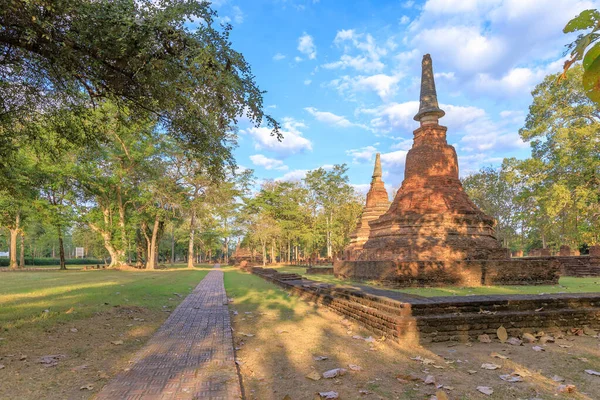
(369,57)
(307,81)
(404,20)
(268,163)
(238,15)
(278,57)
(385,86)
(293,141)
(297,59)
(330,118)
(394,159)
(408,4)
(307,46)
(293,176)
(362,155)
(362,188)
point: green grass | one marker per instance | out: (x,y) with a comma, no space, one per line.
(252,293)
(566,285)
(76,295)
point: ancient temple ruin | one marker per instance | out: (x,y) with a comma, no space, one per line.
(377,203)
(432,233)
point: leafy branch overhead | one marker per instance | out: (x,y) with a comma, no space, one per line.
(587,48)
(165,58)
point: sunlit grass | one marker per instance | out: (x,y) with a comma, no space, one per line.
(41,299)
(566,285)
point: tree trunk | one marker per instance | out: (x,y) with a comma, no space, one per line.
(122,221)
(22,251)
(153,245)
(61,249)
(190,262)
(264,251)
(139,248)
(13,243)
(173,246)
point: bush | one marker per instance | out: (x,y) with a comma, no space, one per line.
(4,262)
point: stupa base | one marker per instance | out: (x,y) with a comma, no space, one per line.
(450,273)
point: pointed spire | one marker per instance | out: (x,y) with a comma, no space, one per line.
(429,111)
(377,170)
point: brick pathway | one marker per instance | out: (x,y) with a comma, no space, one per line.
(190,356)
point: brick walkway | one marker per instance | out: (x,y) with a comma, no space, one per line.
(190,356)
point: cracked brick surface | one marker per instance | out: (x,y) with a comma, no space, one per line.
(191,355)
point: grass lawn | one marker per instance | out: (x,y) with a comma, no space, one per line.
(79,314)
(566,285)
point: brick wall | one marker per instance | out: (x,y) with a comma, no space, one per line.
(442,273)
(449,318)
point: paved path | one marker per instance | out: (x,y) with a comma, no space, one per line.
(190,356)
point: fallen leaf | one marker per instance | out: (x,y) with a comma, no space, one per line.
(511,378)
(117,342)
(74,330)
(489,366)
(52,360)
(441,395)
(566,388)
(320,358)
(484,339)
(247,334)
(79,368)
(354,367)
(589,331)
(529,338)
(69,311)
(592,372)
(502,335)
(332,373)
(429,380)
(314,375)
(539,309)
(565,346)
(485,390)
(2,366)
(557,378)
(583,359)
(329,395)
(514,341)
(472,371)
(538,348)
(89,386)
(546,339)
(498,355)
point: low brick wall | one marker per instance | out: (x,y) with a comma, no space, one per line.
(319,271)
(447,318)
(577,266)
(459,273)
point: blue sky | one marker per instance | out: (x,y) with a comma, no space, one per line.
(343,77)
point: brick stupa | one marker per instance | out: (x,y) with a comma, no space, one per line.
(432,233)
(377,204)
(431,217)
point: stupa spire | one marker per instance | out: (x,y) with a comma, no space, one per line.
(429,111)
(377,170)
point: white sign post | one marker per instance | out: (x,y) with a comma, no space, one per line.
(78,252)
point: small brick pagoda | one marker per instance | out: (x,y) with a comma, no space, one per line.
(432,232)
(377,204)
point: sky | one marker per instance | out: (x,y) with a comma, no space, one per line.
(342,77)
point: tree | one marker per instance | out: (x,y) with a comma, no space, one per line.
(587,48)
(145,55)
(563,126)
(330,189)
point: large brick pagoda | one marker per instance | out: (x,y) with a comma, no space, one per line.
(432,232)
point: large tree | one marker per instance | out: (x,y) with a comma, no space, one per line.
(166,58)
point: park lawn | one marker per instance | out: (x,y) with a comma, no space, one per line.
(566,285)
(79,314)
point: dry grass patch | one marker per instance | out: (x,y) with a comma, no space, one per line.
(278,337)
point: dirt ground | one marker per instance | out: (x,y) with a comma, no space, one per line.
(277,349)
(91,357)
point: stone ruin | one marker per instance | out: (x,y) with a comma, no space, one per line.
(432,233)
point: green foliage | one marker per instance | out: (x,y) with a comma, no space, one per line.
(586,48)
(36,262)
(67,55)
